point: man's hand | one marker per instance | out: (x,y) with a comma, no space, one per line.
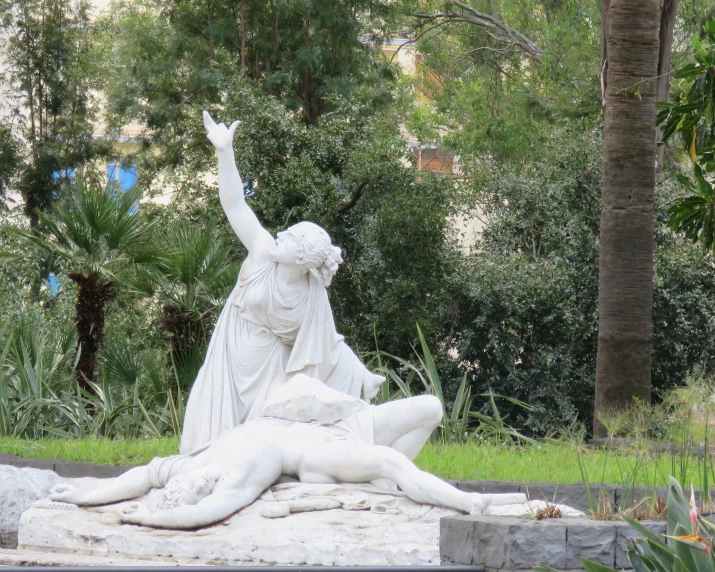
(135,513)
(66,493)
(220,135)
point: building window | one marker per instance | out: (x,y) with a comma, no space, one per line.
(52,284)
(433,159)
(124,175)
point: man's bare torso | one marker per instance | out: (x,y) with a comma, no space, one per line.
(266,443)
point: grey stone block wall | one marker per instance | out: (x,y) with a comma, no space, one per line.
(592,540)
(67,469)
(624,533)
(509,544)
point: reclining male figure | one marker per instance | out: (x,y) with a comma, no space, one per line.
(231,472)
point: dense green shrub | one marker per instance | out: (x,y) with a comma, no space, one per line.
(529,312)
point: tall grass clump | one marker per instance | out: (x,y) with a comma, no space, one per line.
(462,422)
(679,425)
(40,399)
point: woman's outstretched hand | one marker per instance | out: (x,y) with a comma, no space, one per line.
(220,135)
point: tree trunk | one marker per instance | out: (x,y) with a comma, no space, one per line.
(243,36)
(667,25)
(92,297)
(605,26)
(623,366)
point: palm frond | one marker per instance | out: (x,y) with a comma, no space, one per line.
(96,229)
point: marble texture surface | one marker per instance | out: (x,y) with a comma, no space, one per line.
(406,535)
(308,400)
(19,488)
(394,531)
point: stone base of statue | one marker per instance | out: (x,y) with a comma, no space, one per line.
(376,529)
(292,524)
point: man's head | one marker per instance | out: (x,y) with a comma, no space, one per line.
(190,488)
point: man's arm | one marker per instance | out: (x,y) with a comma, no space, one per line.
(214,508)
(132,484)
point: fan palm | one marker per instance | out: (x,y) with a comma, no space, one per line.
(99,236)
(192,284)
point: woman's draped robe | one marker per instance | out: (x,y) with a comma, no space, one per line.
(261,340)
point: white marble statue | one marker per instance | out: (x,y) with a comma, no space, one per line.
(276,323)
(231,472)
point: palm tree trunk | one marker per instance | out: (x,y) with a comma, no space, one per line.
(92,297)
(623,367)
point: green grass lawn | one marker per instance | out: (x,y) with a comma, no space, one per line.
(554,464)
(100,451)
(547,463)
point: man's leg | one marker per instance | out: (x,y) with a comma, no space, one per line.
(406,424)
(132,484)
(350,462)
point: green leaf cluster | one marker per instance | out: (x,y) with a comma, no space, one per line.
(692,115)
(694,215)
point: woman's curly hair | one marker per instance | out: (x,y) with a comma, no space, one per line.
(315,250)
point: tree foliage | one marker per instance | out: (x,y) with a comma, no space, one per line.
(319,140)
(351,172)
(50,60)
(528,318)
(692,115)
(511,89)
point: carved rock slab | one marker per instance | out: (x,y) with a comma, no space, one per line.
(329,537)
(19,488)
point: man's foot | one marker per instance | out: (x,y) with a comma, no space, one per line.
(478,504)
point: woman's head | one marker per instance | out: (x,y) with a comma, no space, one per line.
(308,246)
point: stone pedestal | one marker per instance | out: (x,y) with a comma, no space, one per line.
(331,537)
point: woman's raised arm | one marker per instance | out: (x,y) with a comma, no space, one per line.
(244,222)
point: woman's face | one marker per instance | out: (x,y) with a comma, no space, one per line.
(286,249)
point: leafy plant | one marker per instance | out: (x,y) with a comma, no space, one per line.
(690,429)
(98,235)
(689,546)
(693,117)
(457,416)
(191,284)
(130,398)
(694,215)
(32,360)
